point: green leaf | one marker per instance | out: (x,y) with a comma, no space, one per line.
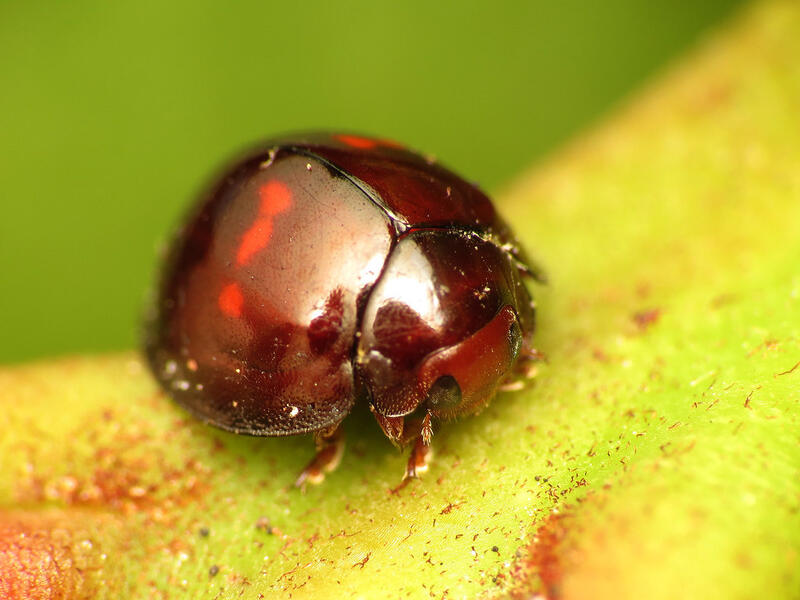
(657,454)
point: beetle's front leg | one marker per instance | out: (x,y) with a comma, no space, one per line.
(524,370)
(330,447)
(420,433)
(415,432)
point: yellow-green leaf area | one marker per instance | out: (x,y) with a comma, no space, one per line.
(663,428)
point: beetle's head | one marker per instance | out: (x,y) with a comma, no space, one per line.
(442,328)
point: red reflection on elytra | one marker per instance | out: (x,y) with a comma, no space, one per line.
(231,300)
(355,141)
(276,197)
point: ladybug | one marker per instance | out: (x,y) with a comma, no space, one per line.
(328,270)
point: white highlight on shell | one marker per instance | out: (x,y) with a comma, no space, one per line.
(294,412)
(170,367)
(270,159)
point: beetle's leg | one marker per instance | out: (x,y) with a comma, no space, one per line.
(421,452)
(524,369)
(330,447)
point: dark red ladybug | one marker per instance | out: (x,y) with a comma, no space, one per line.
(327,270)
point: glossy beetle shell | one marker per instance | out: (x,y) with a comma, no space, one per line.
(332,269)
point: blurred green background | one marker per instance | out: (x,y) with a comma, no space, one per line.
(113,113)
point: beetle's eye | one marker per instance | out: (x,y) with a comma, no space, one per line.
(445,393)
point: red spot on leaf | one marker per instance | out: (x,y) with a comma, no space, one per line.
(41,558)
(540,571)
(646,318)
